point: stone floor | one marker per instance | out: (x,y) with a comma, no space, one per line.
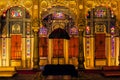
(82,76)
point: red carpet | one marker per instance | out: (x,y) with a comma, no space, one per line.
(26,72)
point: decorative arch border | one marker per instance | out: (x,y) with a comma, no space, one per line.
(9,7)
(63,9)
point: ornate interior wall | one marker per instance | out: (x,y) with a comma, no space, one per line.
(79,8)
(75,9)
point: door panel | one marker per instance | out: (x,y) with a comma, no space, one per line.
(73,47)
(43,47)
(16,47)
(58,48)
(100,46)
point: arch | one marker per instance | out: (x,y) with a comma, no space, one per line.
(54,9)
(8,8)
(101,22)
(17,24)
(5,14)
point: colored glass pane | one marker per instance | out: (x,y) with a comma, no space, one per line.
(43,31)
(16,13)
(100,12)
(112,30)
(58,15)
(112,46)
(87,30)
(74,31)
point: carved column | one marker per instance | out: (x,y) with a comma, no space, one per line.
(35,27)
(81,51)
(36,46)
(81,24)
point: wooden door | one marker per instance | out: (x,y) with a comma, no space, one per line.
(100,46)
(73,47)
(16,52)
(58,48)
(43,47)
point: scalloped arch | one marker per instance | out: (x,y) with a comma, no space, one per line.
(58,8)
(7,8)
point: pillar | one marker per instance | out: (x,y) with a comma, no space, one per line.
(50,51)
(66,51)
(35,27)
(36,50)
(81,51)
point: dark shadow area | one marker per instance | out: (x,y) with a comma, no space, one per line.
(59,34)
(82,75)
(65,69)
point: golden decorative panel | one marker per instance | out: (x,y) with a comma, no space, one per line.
(44,4)
(16,63)
(101,62)
(3,4)
(56,61)
(80,6)
(89,4)
(114,4)
(72,4)
(28,3)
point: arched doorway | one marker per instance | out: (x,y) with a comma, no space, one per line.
(16,38)
(68,49)
(58,35)
(100,41)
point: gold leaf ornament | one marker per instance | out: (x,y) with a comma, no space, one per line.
(3,4)
(44,4)
(28,3)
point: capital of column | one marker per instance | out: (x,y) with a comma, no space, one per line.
(36,23)
(35,29)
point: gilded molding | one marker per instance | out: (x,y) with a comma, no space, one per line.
(28,3)
(6,4)
(44,4)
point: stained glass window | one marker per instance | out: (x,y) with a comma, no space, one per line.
(58,15)
(100,12)
(43,31)
(113,30)
(16,13)
(73,31)
(87,29)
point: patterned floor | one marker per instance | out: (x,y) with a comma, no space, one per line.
(82,76)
